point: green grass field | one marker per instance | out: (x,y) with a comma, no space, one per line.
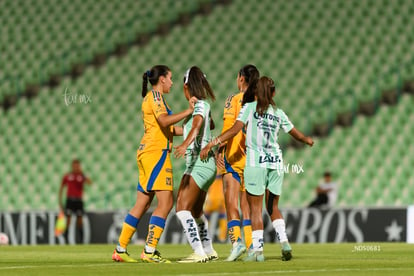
(308,259)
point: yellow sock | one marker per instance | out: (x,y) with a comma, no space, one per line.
(234,230)
(247,229)
(155,229)
(128,229)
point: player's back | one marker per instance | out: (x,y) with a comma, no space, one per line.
(235,148)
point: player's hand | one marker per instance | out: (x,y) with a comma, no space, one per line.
(205,152)
(179,151)
(220,161)
(192,101)
(309,141)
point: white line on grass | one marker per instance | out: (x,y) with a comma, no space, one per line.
(51,266)
(304,271)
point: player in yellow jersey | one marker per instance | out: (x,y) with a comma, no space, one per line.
(234,162)
(154,164)
(215,203)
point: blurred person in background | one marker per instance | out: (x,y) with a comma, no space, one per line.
(326,192)
(74,181)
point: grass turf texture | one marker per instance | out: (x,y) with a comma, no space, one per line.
(308,259)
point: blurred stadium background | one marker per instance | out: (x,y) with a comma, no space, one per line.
(344,72)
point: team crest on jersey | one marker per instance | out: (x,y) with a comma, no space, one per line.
(168,181)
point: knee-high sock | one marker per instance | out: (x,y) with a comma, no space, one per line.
(280,228)
(202,224)
(128,229)
(257,236)
(247,230)
(233,227)
(191,231)
(155,229)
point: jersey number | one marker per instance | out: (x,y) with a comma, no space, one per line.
(267,136)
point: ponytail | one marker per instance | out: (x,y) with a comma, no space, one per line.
(144,84)
(251,76)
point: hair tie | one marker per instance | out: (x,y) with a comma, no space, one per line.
(148,73)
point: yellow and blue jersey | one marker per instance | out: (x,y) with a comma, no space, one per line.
(235,155)
(153,155)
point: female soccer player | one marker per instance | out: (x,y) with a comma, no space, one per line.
(154,164)
(264,163)
(234,162)
(198,175)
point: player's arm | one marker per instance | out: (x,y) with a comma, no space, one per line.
(166,120)
(195,129)
(295,133)
(228,134)
(178,131)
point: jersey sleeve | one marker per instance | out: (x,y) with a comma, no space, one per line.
(229,114)
(199,109)
(244,114)
(285,123)
(157,104)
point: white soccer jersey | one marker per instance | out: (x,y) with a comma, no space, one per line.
(204,136)
(262,149)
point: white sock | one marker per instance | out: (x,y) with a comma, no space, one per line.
(257,236)
(280,228)
(202,224)
(191,231)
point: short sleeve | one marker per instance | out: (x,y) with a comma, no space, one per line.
(157,104)
(244,113)
(285,123)
(199,109)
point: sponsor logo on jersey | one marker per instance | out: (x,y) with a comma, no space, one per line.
(269,159)
(268,116)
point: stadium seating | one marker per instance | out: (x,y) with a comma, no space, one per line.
(325,56)
(40,38)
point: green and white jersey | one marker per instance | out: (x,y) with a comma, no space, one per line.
(262,149)
(204,135)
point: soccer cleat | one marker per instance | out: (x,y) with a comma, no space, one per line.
(286,251)
(213,256)
(122,257)
(254,256)
(154,257)
(195,258)
(236,252)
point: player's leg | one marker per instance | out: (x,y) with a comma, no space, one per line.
(256,250)
(156,227)
(255,179)
(273,193)
(142,203)
(188,194)
(231,196)
(79,220)
(247,224)
(159,181)
(202,225)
